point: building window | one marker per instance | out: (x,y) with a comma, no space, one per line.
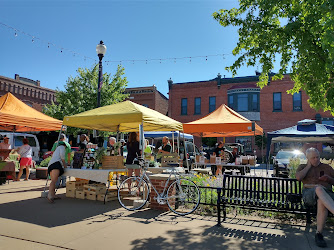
(231,101)
(145,105)
(184,106)
(255,102)
(197,110)
(244,102)
(297,101)
(212,103)
(277,101)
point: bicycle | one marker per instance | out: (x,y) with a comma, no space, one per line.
(182,195)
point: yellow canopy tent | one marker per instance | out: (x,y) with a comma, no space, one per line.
(123,117)
(223,122)
(19,117)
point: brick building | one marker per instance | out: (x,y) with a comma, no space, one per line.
(27,90)
(271,107)
(149,97)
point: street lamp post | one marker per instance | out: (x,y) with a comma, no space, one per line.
(100,50)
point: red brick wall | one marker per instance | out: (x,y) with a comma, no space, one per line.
(270,120)
(154,99)
(161,103)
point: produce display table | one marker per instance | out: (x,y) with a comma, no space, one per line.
(157,170)
(242,168)
(7,166)
(98,175)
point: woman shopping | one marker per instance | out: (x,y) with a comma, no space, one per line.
(56,169)
(25,156)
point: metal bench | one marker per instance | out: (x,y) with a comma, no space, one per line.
(261,193)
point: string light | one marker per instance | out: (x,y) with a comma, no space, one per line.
(34,38)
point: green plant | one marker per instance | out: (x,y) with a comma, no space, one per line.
(44,163)
(99,154)
(293,165)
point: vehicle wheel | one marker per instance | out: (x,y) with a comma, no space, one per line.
(133,193)
(183,197)
(228,157)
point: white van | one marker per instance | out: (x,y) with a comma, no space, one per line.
(15,140)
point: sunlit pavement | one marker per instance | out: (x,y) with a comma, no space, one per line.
(30,222)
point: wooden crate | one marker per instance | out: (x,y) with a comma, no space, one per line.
(80,194)
(109,197)
(96,188)
(91,196)
(70,193)
(84,181)
(74,184)
(113,162)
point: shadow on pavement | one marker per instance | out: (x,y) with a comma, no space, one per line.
(65,211)
(250,234)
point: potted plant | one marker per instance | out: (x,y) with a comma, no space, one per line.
(99,156)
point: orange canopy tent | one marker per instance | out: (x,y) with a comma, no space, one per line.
(19,117)
(223,122)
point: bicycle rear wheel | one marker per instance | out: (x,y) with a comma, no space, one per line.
(133,195)
(183,197)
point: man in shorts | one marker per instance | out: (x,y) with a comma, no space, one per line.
(317,179)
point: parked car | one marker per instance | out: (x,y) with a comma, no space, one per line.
(282,159)
(231,146)
(49,153)
(15,140)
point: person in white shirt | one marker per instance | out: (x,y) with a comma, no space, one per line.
(25,152)
(56,169)
(5,144)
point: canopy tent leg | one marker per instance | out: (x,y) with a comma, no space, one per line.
(185,152)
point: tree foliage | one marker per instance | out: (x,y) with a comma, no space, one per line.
(297,33)
(80,93)
(261,141)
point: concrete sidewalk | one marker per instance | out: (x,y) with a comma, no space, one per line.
(30,222)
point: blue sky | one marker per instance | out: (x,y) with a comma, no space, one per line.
(131,30)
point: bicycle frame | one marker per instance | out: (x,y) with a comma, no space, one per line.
(162,195)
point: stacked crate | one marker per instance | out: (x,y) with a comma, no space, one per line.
(73,186)
(111,196)
(93,190)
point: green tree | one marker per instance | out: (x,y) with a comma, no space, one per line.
(80,93)
(261,141)
(297,33)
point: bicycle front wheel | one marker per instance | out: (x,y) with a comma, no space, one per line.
(133,193)
(183,197)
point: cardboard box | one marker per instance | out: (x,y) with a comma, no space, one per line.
(97,189)
(80,194)
(252,160)
(74,184)
(244,160)
(70,193)
(109,197)
(91,196)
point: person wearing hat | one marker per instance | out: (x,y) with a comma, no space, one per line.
(5,144)
(122,141)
